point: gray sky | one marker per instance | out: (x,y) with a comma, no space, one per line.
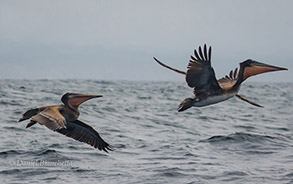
(110,40)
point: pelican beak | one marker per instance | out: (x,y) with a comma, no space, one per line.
(75,99)
(265,67)
(254,68)
(86,96)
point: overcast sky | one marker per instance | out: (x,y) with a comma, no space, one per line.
(117,40)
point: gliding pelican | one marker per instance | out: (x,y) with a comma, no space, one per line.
(207,89)
(64,119)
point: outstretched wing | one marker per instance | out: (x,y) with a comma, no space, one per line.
(169,67)
(248,101)
(200,75)
(50,117)
(229,80)
(28,114)
(84,132)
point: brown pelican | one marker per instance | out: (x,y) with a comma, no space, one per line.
(63,119)
(207,89)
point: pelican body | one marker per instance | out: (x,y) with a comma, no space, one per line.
(64,119)
(207,89)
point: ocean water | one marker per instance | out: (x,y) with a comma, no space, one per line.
(230,142)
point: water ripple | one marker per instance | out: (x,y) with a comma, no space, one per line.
(229,142)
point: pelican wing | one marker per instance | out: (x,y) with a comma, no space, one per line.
(50,117)
(248,101)
(200,75)
(229,80)
(28,114)
(169,67)
(84,132)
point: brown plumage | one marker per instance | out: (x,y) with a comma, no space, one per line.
(64,119)
(208,90)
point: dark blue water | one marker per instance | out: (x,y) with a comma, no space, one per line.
(230,142)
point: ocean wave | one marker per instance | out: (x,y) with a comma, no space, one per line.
(239,137)
(229,142)
(169,172)
(11,153)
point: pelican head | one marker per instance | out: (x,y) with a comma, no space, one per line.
(251,67)
(75,99)
(262,66)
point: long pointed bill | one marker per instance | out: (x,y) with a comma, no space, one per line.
(77,99)
(256,68)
